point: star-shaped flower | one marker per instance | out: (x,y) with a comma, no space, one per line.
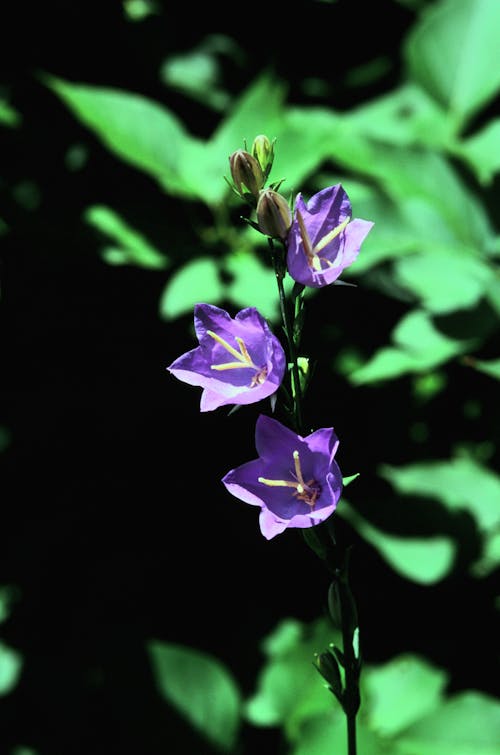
(238,361)
(296,481)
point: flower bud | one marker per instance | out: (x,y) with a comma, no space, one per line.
(328,667)
(273,214)
(263,151)
(246,172)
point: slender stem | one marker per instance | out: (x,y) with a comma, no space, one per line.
(351,734)
(348,616)
(288,328)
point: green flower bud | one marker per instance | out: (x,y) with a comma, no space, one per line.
(263,151)
(328,667)
(273,214)
(246,173)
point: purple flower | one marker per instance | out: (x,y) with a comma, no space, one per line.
(323,240)
(295,481)
(238,361)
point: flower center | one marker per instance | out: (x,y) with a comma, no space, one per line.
(304,491)
(244,360)
(312,252)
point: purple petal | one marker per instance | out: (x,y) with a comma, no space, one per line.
(239,482)
(210,317)
(325,211)
(270,525)
(272,439)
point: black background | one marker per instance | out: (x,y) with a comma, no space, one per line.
(115,530)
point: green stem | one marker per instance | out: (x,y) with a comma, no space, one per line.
(349,627)
(279,270)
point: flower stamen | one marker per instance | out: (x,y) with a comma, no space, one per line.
(243,357)
(312,252)
(304,491)
(330,236)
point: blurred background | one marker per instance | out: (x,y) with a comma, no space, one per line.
(125,565)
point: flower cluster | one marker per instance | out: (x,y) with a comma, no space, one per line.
(295,481)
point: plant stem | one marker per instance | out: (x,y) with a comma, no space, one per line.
(351,734)
(279,270)
(349,627)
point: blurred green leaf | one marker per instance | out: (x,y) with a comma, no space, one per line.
(8,115)
(434,201)
(482,151)
(136,249)
(444,279)
(10,668)
(289,688)
(303,138)
(197,281)
(425,560)
(464,34)
(196,74)
(460,483)
(7,595)
(256,111)
(400,692)
(466,724)
(141,132)
(201,689)
(419,347)
(405,116)
(137,10)
(253,284)
(490,367)
(327,734)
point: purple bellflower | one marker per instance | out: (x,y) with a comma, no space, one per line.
(295,481)
(238,361)
(323,240)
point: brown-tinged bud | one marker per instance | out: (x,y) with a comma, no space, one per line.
(273,214)
(246,173)
(263,151)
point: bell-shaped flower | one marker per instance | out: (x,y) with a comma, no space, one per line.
(323,240)
(296,481)
(238,361)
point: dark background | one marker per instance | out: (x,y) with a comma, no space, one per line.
(115,528)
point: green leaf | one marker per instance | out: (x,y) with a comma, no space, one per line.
(490,367)
(482,151)
(327,734)
(141,132)
(196,74)
(467,724)
(406,116)
(8,115)
(433,200)
(423,560)
(197,281)
(10,668)
(7,596)
(252,284)
(444,279)
(464,34)
(303,139)
(136,250)
(289,688)
(257,111)
(400,692)
(201,689)
(461,483)
(419,346)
